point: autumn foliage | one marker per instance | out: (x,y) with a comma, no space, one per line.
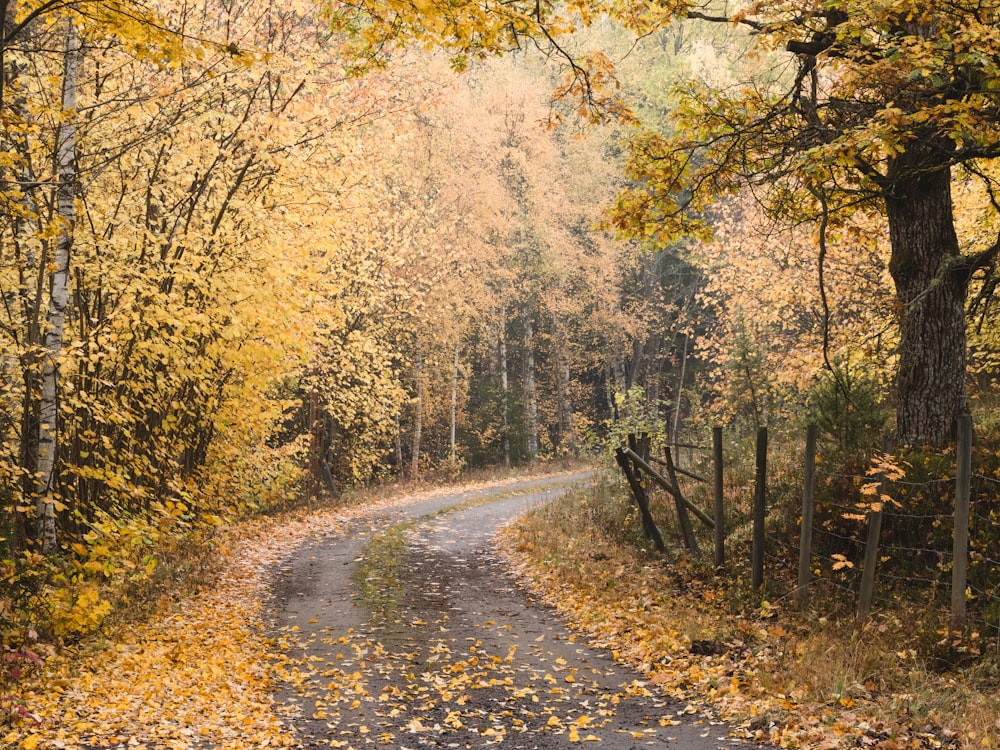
(236,273)
(254,253)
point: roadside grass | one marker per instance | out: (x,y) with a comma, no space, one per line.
(793,679)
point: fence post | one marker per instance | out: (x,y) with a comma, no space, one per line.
(639,494)
(871,549)
(683,518)
(805,536)
(960,555)
(720,530)
(759,512)
(871,561)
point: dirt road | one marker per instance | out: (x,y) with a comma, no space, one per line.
(466,659)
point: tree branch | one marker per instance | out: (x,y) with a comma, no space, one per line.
(698,15)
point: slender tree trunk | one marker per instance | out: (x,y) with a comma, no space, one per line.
(567,439)
(314,457)
(29,260)
(7,19)
(530,392)
(453,417)
(504,385)
(45,510)
(677,398)
(400,466)
(418,416)
(610,391)
(565,377)
(931,289)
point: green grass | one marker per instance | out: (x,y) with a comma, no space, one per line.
(378,576)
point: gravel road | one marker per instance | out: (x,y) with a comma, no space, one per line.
(470,661)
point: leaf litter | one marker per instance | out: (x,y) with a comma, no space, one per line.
(204,674)
(618,603)
(467,664)
(200,673)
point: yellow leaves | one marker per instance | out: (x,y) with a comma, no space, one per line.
(841,562)
(188,676)
(415,725)
(887,466)
(77,608)
(574,736)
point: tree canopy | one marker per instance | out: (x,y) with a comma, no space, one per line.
(250,252)
(875,107)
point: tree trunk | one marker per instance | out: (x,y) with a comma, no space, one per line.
(418,416)
(530,392)
(45,510)
(931,289)
(453,417)
(678,397)
(504,386)
(314,441)
(400,465)
(27,258)
(564,397)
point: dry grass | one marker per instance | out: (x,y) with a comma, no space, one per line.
(794,679)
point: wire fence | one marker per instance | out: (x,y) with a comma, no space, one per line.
(904,532)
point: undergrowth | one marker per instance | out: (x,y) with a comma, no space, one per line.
(792,678)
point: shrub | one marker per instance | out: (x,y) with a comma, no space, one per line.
(847,407)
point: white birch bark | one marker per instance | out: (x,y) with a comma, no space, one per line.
(58,295)
(504,385)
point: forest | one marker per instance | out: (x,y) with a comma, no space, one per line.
(254,251)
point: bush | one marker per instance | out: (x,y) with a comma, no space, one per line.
(846,406)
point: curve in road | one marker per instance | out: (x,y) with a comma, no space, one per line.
(469,660)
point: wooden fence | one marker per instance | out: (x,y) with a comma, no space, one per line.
(638,465)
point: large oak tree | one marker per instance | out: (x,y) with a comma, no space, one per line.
(882,106)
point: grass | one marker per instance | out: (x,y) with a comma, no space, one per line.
(790,678)
(377,577)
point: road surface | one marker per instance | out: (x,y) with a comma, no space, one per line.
(468,660)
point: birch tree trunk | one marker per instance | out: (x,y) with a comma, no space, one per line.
(45,509)
(399,446)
